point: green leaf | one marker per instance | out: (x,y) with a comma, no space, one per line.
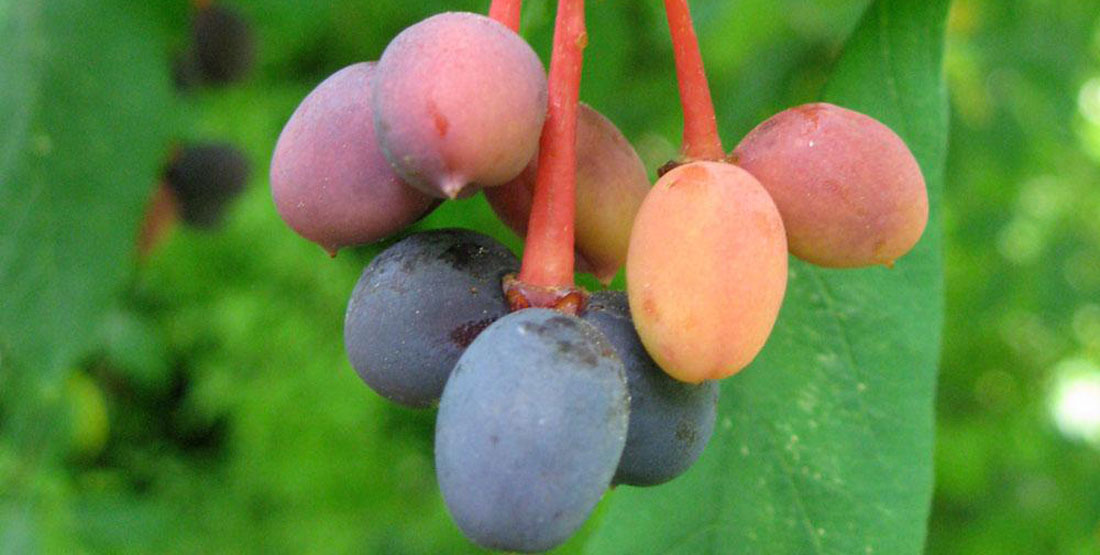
(85,93)
(824,445)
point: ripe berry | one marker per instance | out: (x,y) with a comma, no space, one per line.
(204,177)
(418,305)
(530,429)
(670,421)
(224,44)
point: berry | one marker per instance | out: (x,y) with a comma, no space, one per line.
(329,179)
(850,192)
(530,429)
(224,44)
(670,421)
(204,178)
(460,100)
(418,305)
(611,183)
(706,270)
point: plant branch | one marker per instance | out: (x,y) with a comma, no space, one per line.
(506,12)
(701,140)
(548,254)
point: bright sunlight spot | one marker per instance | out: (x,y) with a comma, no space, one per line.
(1075,405)
(1088,100)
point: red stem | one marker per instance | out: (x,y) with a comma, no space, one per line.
(701,140)
(548,254)
(506,12)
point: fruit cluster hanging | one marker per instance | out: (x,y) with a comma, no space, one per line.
(549,395)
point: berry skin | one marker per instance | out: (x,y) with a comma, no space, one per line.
(329,179)
(611,184)
(204,178)
(530,429)
(460,101)
(670,421)
(706,270)
(850,192)
(418,305)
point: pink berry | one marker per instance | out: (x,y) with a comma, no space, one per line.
(460,101)
(329,179)
(850,192)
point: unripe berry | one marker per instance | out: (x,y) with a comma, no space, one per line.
(850,192)
(329,179)
(706,270)
(460,101)
(611,183)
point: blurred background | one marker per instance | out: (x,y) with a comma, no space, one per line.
(212,408)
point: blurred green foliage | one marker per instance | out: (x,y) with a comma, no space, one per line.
(1023,277)
(214,410)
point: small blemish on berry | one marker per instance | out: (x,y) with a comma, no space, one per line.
(465,333)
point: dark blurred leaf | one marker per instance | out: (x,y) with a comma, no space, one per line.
(824,445)
(85,90)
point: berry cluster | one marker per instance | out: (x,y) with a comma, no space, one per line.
(548,395)
(201,179)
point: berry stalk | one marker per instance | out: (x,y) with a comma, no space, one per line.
(701,140)
(548,254)
(506,12)
(161,213)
